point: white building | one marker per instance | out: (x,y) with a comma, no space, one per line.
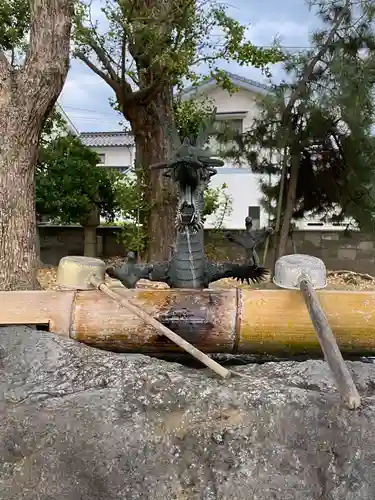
(116,150)
(240,109)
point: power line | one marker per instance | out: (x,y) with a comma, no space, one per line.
(95,121)
(89,110)
(87,117)
(268,46)
(299,47)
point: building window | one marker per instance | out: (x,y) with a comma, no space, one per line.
(228,126)
(101,158)
(254,213)
(233,124)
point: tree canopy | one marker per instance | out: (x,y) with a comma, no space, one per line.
(14,23)
(70,184)
(144,45)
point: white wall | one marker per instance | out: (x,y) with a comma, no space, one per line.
(119,156)
(243,185)
(242,100)
(243,188)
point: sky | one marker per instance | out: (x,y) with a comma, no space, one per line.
(85,96)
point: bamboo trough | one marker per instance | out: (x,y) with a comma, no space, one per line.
(271,322)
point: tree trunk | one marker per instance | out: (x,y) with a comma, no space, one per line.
(279,211)
(27,96)
(90,242)
(37,241)
(290,203)
(150,124)
(18,252)
(89,231)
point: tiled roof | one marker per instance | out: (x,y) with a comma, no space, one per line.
(237,80)
(107,139)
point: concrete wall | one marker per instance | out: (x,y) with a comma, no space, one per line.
(354,251)
(58,241)
(337,249)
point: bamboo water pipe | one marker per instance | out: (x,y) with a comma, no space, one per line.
(273,322)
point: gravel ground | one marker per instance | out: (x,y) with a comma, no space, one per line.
(337,280)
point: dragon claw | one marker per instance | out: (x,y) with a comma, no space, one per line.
(129,273)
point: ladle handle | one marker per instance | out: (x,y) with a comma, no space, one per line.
(328,343)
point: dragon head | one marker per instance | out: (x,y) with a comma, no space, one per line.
(190,169)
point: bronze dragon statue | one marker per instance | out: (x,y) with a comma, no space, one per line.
(191,169)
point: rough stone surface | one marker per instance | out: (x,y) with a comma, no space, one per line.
(82,424)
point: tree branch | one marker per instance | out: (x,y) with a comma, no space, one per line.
(311,65)
(118,80)
(103,58)
(123,57)
(111,78)
(81,56)
(119,85)
(95,41)
(149,91)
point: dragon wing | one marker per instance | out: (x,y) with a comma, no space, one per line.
(239,272)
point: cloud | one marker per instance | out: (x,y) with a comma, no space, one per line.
(270,10)
(289,33)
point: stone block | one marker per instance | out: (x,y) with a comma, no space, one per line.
(329,254)
(365,266)
(331,245)
(313,237)
(347,253)
(365,254)
(51,241)
(330,236)
(193,438)
(366,245)
(347,244)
